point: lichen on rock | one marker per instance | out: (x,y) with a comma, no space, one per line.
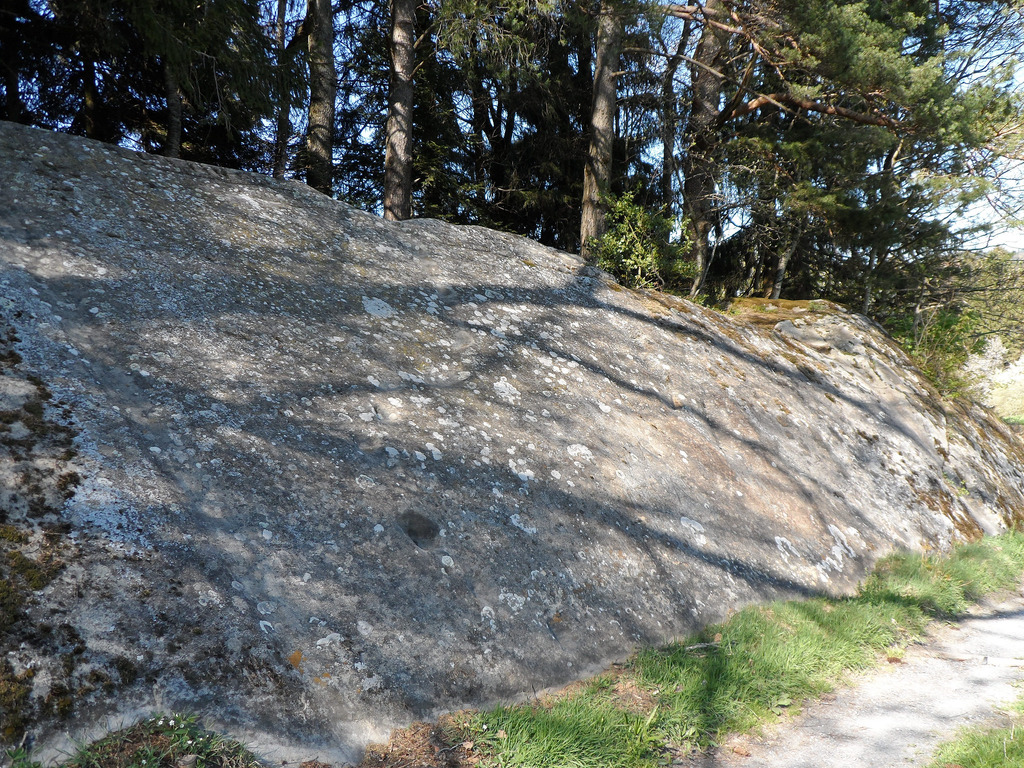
(362,472)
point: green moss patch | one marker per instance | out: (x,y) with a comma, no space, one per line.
(14,705)
(769,312)
(34,451)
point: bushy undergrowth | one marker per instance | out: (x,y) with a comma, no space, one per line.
(733,676)
(941,345)
(637,248)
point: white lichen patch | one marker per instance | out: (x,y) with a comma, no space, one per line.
(378,307)
(515,602)
(694,530)
(579,451)
(785,547)
(506,390)
(489,455)
(517,521)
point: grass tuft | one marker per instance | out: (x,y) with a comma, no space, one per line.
(741,673)
(585,731)
(992,748)
(944,587)
(164,741)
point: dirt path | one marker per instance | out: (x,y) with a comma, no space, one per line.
(959,675)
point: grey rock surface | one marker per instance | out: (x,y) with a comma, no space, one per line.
(340,473)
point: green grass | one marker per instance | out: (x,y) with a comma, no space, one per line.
(574,732)
(747,671)
(944,587)
(766,658)
(993,748)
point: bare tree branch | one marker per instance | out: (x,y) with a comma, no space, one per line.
(784,100)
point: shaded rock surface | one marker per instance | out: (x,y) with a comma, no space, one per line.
(339,473)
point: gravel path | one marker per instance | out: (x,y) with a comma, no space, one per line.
(959,675)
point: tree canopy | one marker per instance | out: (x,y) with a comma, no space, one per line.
(783,148)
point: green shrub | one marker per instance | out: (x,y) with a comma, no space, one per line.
(637,250)
(939,344)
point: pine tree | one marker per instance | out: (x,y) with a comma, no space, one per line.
(598,171)
(398,158)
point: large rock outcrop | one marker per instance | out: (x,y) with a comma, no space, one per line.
(338,473)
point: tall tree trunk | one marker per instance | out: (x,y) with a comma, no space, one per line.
(479,127)
(284,124)
(699,163)
(670,119)
(598,171)
(780,268)
(91,119)
(14,107)
(869,284)
(172,147)
(12,43)
(878,253)
(323,86)
(398,153)
(502,161)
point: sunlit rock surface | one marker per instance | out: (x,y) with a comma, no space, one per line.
(339,473)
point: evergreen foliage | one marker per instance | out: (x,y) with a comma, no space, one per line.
(637,248)
(814,148)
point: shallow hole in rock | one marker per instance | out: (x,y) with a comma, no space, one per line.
(421,529)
